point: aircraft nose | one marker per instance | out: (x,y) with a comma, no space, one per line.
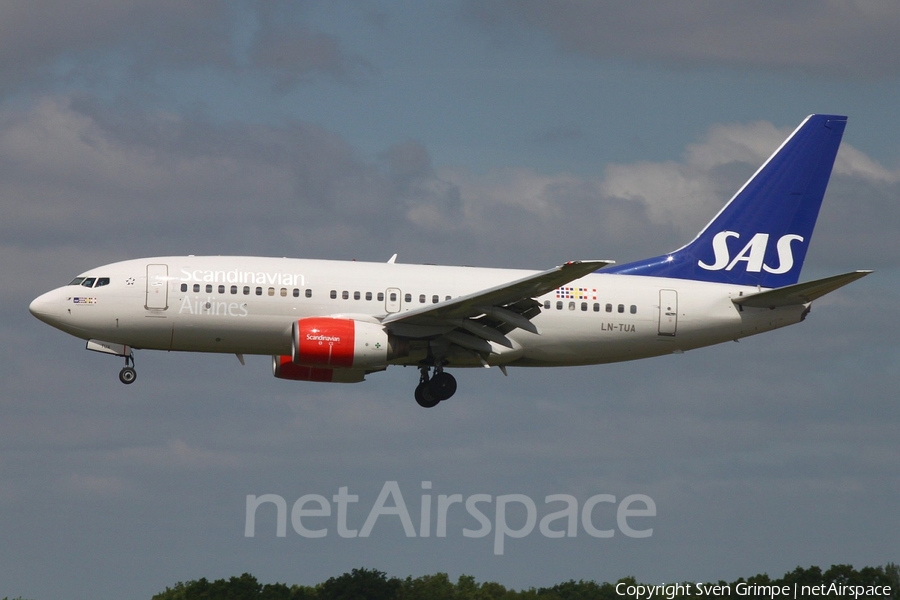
(45,307)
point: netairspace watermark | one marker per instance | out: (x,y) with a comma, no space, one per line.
(312,515)
(753,590)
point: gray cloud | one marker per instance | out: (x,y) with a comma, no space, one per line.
(71,170)
(48,41)
(34,35)
(833,38)
(292,56)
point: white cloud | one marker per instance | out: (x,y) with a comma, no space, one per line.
(669,201)
(854,163)
(74,173)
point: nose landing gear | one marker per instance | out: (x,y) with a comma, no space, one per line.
(431,391)
(127,375)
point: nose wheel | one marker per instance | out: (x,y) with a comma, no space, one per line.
(127,375)
(431,391)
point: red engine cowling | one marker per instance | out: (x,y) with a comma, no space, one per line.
(284,368)
(343,344)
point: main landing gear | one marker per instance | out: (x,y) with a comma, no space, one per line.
(127,375)
(431,391)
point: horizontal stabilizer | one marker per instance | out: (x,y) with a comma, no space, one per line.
(799,293)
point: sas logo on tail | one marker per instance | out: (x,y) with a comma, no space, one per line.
(754,253)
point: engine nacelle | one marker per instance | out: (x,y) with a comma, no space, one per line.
(343,344)
(283,367)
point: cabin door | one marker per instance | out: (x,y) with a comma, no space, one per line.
(668,312)
(157,287)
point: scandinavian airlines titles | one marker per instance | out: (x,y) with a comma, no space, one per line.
(239,276)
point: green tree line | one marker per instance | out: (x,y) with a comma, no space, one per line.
(372,584)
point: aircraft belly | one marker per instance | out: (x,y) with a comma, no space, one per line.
(601,343)
(210,333)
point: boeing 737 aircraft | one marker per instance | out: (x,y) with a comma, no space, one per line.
(334,321)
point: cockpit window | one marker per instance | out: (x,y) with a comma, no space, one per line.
(90,281)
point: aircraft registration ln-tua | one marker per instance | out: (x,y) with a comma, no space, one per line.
(336,321)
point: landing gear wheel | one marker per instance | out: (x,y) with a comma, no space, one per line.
(442,386)
(424,397)
(127,375)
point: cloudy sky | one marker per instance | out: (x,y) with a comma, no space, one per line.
(509,134)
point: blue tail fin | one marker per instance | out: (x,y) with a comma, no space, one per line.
(761,236)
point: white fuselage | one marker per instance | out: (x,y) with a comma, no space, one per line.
(247,305)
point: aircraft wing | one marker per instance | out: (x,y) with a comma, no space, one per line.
(799,293)
(501,308)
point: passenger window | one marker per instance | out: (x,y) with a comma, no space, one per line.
(246,290)
(596,307)
(259,291)
(435,299)
(446,297)
(380,297)
(196,288)
(345,295)
(408,297)
(559,305)
(356,296)
(309,292)
(183,287)
(571,306)
(421,298)
(393,297)
(333,294)
(547,304)
(296,293)
(221,289)
(584,306)
(621,308)
(89,282)
(368,295)
(633,309)
(233,289)
(609,308)
(283,292)
(102,281)
(209,288)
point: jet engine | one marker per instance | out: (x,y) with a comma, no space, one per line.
(343,344)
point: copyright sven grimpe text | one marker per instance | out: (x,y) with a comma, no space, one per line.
(749,590)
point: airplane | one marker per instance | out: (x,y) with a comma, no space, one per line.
(338,321)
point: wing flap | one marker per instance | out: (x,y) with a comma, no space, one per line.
(799,293)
